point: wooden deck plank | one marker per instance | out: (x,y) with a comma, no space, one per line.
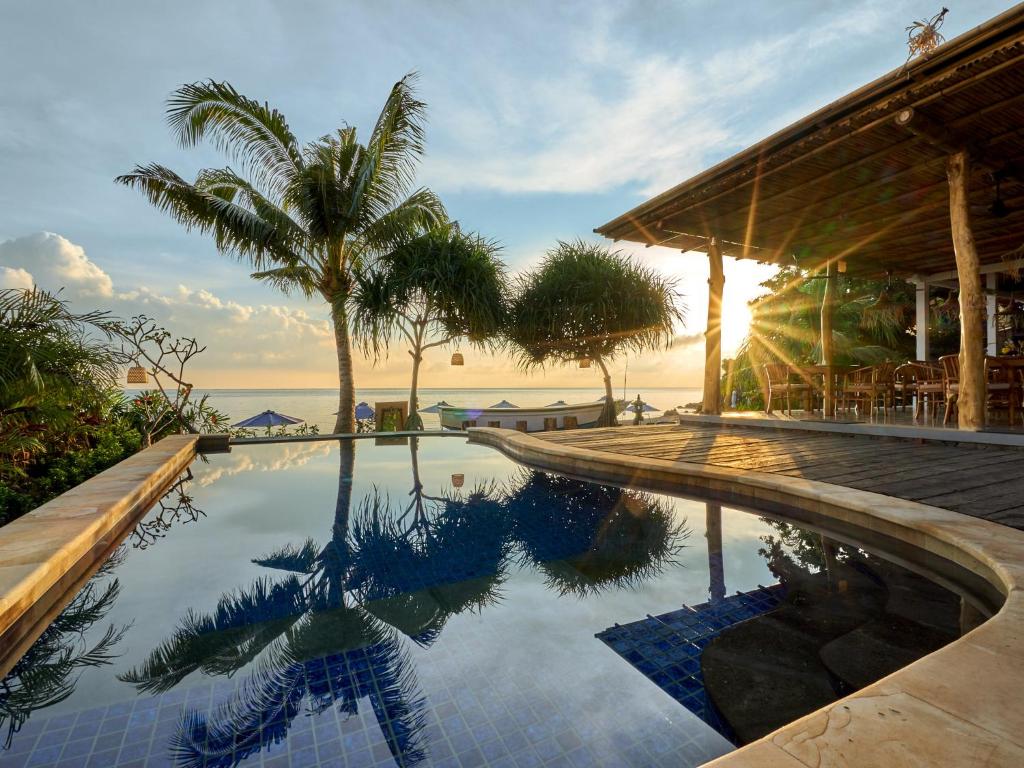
(982,481)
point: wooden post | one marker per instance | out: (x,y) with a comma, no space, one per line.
(971,399)
(828,300)
(716,564)
(713,335)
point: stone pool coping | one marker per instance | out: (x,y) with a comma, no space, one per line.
(962,705)
(47,552)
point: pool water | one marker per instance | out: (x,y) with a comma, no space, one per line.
(430,602)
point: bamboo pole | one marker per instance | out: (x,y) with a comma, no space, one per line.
(971,398)
(713,335)
(828,299)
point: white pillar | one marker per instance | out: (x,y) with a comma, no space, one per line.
(923,350)
(991,337)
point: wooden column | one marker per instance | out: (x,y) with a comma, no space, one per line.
(713,335)
(971,400)
(828,300)
(716,563)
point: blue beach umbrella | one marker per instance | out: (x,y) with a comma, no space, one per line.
(436,407)
(504,404)
(268,419)
(364,411)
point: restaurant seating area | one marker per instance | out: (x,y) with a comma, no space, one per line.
(917,391)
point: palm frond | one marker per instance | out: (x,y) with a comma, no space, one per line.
(254,133)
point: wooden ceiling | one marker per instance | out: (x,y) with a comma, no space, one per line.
(851,183)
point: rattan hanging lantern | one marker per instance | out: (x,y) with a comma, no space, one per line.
(584,362)
(137,375)
(458,480)
(457,359)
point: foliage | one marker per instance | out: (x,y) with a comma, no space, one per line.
(304,217)
(873,322)
(439,287)
(63,418)
(56,372)
(158,413)
(586,301)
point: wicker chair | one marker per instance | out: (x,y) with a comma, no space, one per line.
(916,382)
(870,385)
(779,383)
(1001,387)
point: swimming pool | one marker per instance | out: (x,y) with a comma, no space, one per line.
(430,602)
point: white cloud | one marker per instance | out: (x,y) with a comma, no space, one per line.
(266,335)
(623,113)
(15,278)
(54,260)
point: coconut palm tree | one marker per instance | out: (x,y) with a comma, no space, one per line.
(587,302)
(439,287)
(304,217)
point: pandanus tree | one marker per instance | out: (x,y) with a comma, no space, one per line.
(587,302)
(588,538)
(439,287)
(305,217)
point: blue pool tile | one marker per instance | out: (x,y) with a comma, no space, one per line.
(12,760)
(471,758)
(103,759)
(45,755)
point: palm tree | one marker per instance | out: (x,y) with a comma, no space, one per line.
(586,302)
(305,217)
(434,289)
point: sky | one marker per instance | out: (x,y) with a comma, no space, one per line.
(545,120)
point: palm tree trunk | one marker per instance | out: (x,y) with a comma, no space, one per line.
(608,416)
(346,421)
(334,559)
(413,420)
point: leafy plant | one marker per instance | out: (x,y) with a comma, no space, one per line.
(586,302)
(304,217)
(439,287)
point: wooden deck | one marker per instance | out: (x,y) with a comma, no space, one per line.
(982,481)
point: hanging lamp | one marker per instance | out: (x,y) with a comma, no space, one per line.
(458,480)
(137,375)
(457,359)
(584,362)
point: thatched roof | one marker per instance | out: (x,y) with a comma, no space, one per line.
(849,182)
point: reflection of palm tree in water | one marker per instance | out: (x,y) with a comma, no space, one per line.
(48,672)
(329,631)
(440,557)
(588,538)
(304,637)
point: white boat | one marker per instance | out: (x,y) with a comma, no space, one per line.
(524,419)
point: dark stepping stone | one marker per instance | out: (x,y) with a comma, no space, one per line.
(879,648)
(764,673)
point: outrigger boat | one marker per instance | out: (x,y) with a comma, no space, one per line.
(508,416)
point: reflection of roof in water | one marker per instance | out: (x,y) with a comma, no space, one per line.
(667,648)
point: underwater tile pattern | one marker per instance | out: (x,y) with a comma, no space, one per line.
(667,648)
(509,723)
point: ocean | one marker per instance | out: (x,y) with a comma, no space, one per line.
(317,406)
